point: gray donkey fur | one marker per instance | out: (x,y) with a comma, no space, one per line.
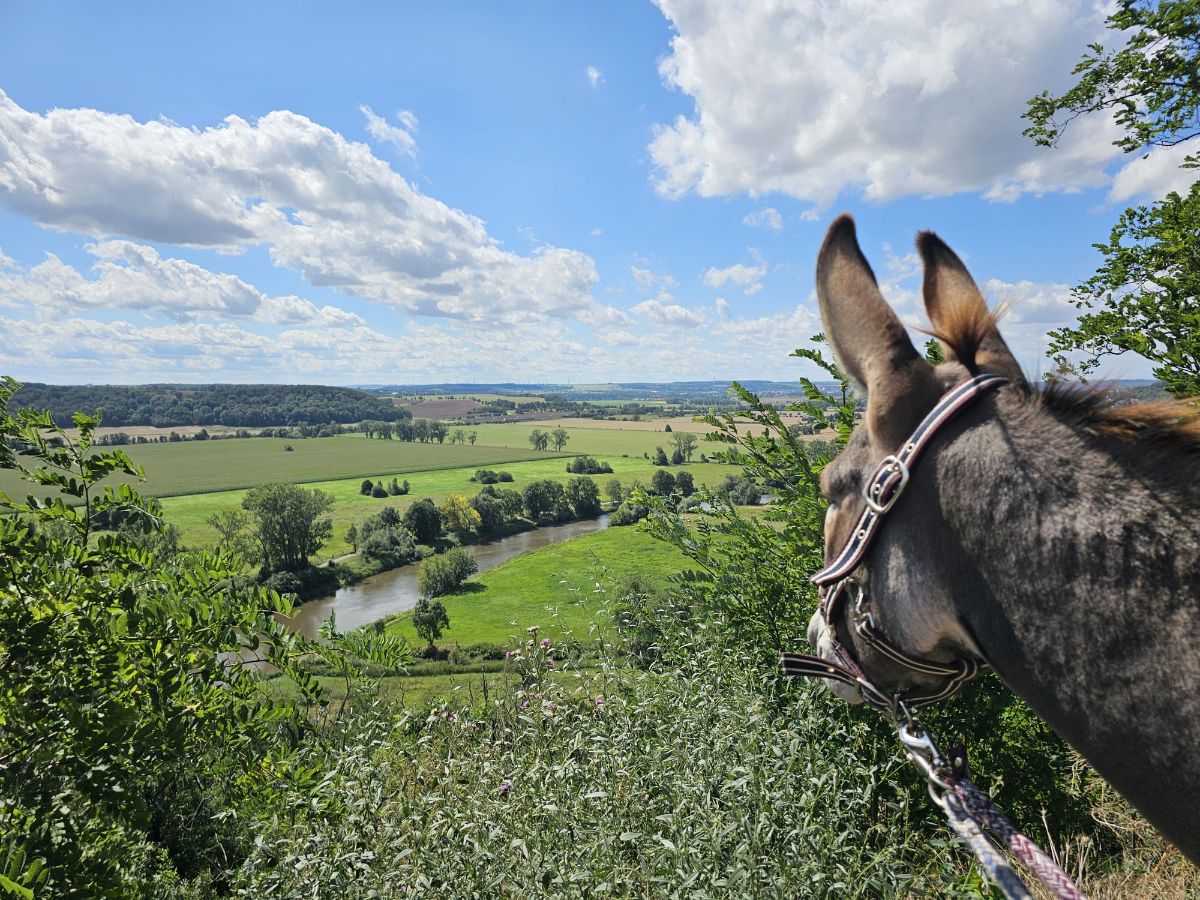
(1052,535)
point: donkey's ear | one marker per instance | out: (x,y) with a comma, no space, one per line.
(960,317)
(868,339)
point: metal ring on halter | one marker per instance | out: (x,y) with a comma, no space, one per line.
(892,464)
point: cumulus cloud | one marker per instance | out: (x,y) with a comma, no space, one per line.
(768,218)
(661,311)
(890,99)
(594,76)
(133,276)
(722,306)
(322,205)
(748,278)
(1152,177)
(400,137)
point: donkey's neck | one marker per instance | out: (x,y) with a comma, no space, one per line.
(1084,567)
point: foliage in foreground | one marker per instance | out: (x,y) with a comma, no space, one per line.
(685,783)
(134,737)
(1145,297)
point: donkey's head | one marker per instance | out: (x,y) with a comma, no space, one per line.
(907,579)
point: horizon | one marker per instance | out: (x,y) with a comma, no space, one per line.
(542,194)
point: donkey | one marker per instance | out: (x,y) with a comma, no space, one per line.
(1045,532)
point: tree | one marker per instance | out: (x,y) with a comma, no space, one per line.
(290,524)
(685,443)
(458,436)
(232,527)
(660,457)
(663,483)
(543,497)
(429,618)
(438,431)
(473,437)
(424,521)
(538,439)
(677,457)
(1145,296)
(352,537)
(458,515)
(667,428)
(583,495)
(614,491)
(379,490)
(684,483)
(560,437)
(366,487)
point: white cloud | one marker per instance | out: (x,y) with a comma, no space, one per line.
(324,206)
(768,218)
(401,138)
(1152,177)
(132,276)
(661,311)
(594,76)
(722,306)
(596,232)
(890,99)
(748,278)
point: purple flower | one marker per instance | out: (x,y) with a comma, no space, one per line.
(545,642)
(599,701)
(549,662)
(508,654)
(505,788)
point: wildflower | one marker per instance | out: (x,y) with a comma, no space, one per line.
(549,662)
(445,714)
(505,788)
(533,629)
(508,654)
(525,704)
(599,701)
(545,642)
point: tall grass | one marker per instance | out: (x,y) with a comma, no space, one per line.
(616,782)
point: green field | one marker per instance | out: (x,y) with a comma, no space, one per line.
(562,589)
(194,467)
(609,441)
(189,512)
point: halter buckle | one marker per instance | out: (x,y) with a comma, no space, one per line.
(890,464)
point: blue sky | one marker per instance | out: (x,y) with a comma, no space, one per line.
(553,192)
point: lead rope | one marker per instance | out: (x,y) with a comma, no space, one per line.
(969,810)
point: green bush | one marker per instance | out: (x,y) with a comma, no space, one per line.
(445,572)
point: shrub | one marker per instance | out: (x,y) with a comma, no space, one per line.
(366,487)
(445,572)
(660,457)
(379,490)
(583,495)
(586,465)
(628,514)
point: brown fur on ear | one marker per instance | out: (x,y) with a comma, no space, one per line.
(960,317)
(869,340)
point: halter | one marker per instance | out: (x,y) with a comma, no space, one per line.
(838,585)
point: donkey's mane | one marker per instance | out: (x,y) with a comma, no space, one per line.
(1168,424)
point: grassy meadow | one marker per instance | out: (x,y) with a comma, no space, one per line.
(563,589)
(194,467)
(189,512)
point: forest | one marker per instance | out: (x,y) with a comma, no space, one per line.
(235,405)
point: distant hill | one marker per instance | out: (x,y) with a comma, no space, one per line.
(236,405)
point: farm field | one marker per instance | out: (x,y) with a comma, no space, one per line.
(189,512)
(193,467)
(589,436)
(563,589)
(677,423)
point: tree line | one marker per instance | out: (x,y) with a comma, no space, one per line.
(423,431)
(237,405)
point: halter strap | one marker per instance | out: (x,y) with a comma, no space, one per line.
(881,493)
(891,476)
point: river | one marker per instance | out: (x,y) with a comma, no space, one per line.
(395,590)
